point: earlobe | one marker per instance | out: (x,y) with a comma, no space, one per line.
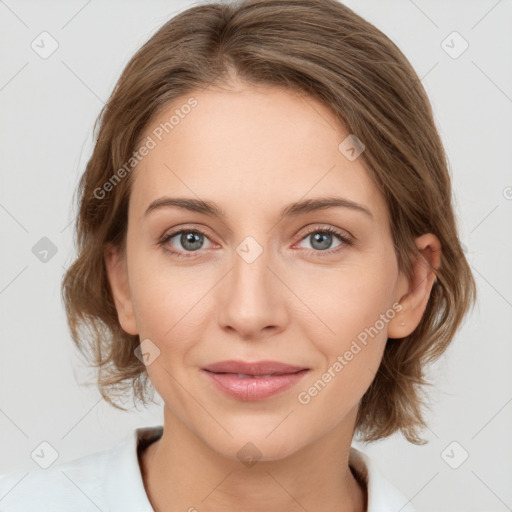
(415,300)
(118,279)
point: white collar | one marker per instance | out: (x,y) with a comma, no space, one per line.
(383,496)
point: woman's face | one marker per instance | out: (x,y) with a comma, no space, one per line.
(253,284)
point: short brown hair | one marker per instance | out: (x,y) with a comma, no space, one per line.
(319,48)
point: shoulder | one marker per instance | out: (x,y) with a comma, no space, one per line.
(75,485)
(104,480)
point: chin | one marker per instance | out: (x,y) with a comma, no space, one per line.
(252,444)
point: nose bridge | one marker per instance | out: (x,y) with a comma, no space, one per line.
(251,296)
(250,272)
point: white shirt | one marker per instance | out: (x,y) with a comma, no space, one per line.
(111,481)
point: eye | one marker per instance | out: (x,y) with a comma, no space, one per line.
(184,241)
(321,240)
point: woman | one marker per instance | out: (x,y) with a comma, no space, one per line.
(266,238)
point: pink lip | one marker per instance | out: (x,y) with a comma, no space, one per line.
(279,377)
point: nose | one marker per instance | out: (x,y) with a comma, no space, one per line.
(252,298)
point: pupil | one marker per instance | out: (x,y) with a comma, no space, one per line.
(191,241)
(323,240)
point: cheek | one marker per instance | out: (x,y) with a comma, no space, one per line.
(171,312)
(356,307)
(350,298)
(353,306)
(169,301)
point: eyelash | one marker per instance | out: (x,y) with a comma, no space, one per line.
(180,254)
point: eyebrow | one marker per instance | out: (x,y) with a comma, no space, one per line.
(292,210)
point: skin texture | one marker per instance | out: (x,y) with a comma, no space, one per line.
(253,150)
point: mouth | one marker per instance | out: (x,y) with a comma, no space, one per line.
(245,376)
(254,381)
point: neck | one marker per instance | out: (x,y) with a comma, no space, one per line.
(181,473)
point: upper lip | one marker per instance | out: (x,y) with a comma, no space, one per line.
(254,368)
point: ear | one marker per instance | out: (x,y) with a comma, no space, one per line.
(118,278)
(413,294)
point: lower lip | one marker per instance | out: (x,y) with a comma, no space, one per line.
(254,388)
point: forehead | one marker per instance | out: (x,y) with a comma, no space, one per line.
(250,149)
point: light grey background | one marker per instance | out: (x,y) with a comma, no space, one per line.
(48,109)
